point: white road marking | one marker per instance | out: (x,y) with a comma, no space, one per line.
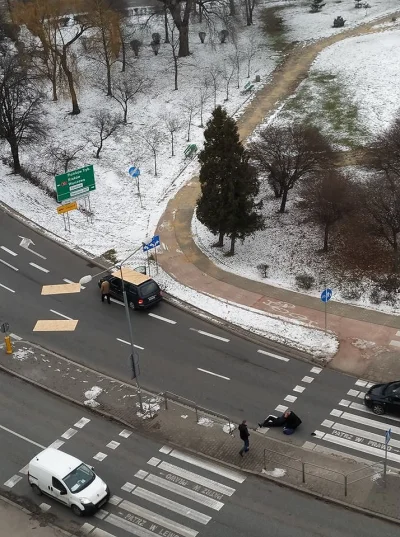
(44,507)
(211,373)
(113,444)
(8,250)
(22,437)
(128,487)
(281,408)
(370,423)
(101,514)
(364,434)
(100,456)
(327,423)
(61,315)
(361,382)
(165,449)
(69,434)
(117,302)
(141,474)
(210,335)
(8,265)
(70,281)
(307,379)
(86,528)
(365,410)
(299,389)
(125,433)
(394,343)
(8,289)
(128,343)
(154,461)
(97,532)
(115,500)
(353,393)
(290,398)
(157,519)
(319,434)
(39,267)
(273,355)
(183,491)
(24,470)
(170,321)
(176,507)
(360,447)
(344,402)
(57,444)
(398,333)
(128,526)
(336,413)
(10,483)
(191,476)
(14,336)
(81,423)
(316,370)
(210,466)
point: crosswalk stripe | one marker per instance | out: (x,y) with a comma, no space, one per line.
(360,447)
(365,410)
(364,434)
(211,467)
(171,505)
(182,491)
(371,423)
(97,532)
(157,519)
(128,526)
(223,489)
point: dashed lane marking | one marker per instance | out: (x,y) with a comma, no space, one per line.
(8,265)
(81,423)
(22,437)
(69,434)
(38,267)
(290,398)
(281,358)
(100,456)
(281,408)
(8,250)
(170,321)
(70,281)
(316,370)
(210,335)
(44,507)
(10,483)
(8,289)
(61,315)
(211,373)
(128,343)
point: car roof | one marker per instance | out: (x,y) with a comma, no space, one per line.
(131,276)
(57,461)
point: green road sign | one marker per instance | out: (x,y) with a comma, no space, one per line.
(75,183)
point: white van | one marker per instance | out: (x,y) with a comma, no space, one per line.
(68,480)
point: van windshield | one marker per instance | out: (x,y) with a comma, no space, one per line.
(148,288)
(79,478)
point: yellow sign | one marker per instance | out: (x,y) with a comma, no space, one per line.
(67,207)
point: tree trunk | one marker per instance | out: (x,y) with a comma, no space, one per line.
(172,144)
(395,254)
(15,155)
(54,83)
(176,72)
(182,24)
(232,248)
(248,21)
(220,242)
(283,202)
(184,41)
(99,149)
(75,106)
(326,237)
(155,163)
(109,88)
(123,50)
(125,108)
(166,24)
(232,8)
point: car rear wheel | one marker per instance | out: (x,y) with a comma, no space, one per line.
(378,409)
(36,490)
(76,510)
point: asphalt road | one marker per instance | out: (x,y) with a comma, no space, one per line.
(161,499)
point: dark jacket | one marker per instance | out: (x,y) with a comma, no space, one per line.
(244,432)
(292,421)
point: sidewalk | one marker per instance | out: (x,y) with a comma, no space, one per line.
(17,521)
(282,462)
(364,335)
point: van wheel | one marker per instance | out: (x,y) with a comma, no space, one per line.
(132,305)
(76,510)
(36,490)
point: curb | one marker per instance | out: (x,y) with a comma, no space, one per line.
(291,486)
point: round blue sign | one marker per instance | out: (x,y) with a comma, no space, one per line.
(326,295)
(133,171)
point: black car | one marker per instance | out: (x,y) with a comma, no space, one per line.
(382,398)
(142,292)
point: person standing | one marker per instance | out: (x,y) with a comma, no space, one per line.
(105,291)
(244,435)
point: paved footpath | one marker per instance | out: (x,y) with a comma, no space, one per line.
(287,463)
(369,340)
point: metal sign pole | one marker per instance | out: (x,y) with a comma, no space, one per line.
(326,302)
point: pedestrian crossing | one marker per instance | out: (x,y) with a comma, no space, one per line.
(175,495)
(356,430)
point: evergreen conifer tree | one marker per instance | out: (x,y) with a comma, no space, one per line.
(228,183)
(316,6)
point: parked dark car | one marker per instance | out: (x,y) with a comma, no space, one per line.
(142,292)
(383,398)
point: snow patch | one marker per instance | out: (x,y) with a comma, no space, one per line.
(276,472)
(228,428)
(91,396)
(362,344)
(23,354)
(205,422)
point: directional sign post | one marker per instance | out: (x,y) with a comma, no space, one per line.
(388,435)
(75,184)
(326,295)
(153,243)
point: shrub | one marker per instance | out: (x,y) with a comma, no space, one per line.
(263,268)
(353,290)
(305,281)
(386,289)
(111,255)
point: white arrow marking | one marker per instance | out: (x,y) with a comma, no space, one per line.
(25,243)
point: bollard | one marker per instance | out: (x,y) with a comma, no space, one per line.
(7,341)
(303,471)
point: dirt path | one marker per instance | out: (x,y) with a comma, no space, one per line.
(292,72)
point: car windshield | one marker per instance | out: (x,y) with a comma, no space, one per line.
(79,478)
(148,288)
(393,387)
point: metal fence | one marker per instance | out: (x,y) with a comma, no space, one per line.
(311,470)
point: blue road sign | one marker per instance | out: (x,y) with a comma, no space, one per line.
(326,295)
(133,171)
(155,241)
(388,435)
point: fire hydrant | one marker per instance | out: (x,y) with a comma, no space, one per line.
(7,341)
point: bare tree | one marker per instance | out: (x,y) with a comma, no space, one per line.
(204,96)
(173,124)
(63,155)
(153,138)
(249,6)
(249,53)
(174,42)
(20,106)
(180,11)
(104,125)
(227,74)
(328,198)
(380,197)
(288,155)
(236,60)
(386,150)
(190,108)
(126,87)
(214,74)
